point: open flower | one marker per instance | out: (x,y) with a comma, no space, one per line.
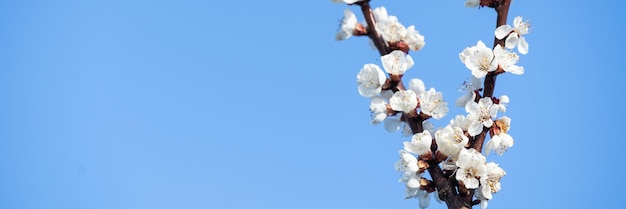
(507,60)
(515,34)
(370,80)
(480,114)
(397,62)
(419,144)
(479,59)
(471,167)
(450,140)
(432,104)
(405,101)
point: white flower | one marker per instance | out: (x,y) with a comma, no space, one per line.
(388,26)
(345,1)
(479,59)
(380,14)
(508,60)
(450,140)
(462,122)
(471,167)
(491,184)
(348,24)
(397,62)
(515,34)
(470,91)
(499,143)
(417,85)
(504,101)
(480,114)
(405,101)
(378,109)
(419,144)
(472,3)
(414,39)
(431,103)
(370,80)
(407,166)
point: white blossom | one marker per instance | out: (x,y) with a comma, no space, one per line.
(450,140)
(491,184)
(388,26)
(507,60)
(407,166)
(471,167)
(403,100)
(431,103)
(419,144)
(397,62)
(417,86)
(348,24)
(479,59)
(515,34)
(414,39)
(461,121)
(370,80)
(381,15)
(480,114)
(499,143)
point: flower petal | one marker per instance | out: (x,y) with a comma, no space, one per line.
(502,31)
(522,46)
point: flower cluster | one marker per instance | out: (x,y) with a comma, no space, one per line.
(455,148)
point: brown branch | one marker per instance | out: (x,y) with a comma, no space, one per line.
(445,183)
(371,28)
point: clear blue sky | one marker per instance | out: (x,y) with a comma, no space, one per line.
(122,104)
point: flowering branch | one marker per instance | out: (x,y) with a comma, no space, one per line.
(452,155)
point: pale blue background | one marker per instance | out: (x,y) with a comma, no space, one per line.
(122,104)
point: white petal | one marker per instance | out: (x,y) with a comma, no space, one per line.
(522,46)
(502,31)
(475,128)
(413,183)
(486,191)
(511,41)
(517,21)
(517,70)
(417,85)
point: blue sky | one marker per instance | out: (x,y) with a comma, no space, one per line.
(197,104)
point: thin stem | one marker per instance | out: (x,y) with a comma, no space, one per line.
(371,28)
